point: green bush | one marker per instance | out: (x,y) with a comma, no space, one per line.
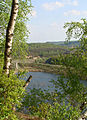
(48,105)
(11,93)
(63,103)
(57,111)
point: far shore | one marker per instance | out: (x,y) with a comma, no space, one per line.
(43,67)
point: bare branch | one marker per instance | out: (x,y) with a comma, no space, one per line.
(27,82)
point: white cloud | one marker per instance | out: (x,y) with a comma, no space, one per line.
(59,4)
(71,2)
(53,5)
(75,13)
(33,13)
(75,3)
(72,13)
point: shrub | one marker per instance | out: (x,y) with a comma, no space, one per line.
(11,93)
(58,111)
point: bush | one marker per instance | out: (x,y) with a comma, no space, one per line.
(57,111)
(63,103)
(11,93)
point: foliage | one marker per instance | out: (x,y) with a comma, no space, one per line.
(21,33)
(68,98)
(78,30)
(70,88)
(76,58)
(62,102)
(68,94)
(59,103)
(11,88)
(57,111)
(11,94)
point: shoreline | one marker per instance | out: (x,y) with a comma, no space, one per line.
(39,67)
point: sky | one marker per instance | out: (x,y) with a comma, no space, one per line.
(49,16)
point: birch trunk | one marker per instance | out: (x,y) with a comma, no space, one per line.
(84,115)
(9,37)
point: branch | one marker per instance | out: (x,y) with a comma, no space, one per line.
(27,82)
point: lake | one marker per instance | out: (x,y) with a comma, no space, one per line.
(41,79)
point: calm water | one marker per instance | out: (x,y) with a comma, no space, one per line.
(41,79)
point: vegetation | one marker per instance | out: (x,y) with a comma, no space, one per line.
(11,88)
(46,49)
(11,93)
(21,32)
(43,68)
(68,100)
(58,104)
(65,43)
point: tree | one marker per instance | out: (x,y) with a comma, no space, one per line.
(9,36)
(11,88)
(21,33)
(78,30)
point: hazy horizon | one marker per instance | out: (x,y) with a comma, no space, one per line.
(53,41)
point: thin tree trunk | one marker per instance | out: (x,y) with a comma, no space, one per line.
(27,82)
(9,37)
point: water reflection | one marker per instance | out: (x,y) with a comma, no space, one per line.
(41,79)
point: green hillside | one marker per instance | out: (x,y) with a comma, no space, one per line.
(64,43)
(46,49)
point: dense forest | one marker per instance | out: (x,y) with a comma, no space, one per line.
(46,49)
(68,101)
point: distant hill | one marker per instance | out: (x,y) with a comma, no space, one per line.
(63,43)
(51,48)
(46,49)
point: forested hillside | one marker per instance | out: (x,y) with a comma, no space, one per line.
(66,43)
(46,49)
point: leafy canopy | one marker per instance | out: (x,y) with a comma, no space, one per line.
(21,32)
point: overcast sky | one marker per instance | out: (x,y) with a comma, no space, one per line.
(49,16)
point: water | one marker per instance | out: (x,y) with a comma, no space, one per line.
(41,79)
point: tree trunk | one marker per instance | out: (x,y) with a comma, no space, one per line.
(9,37)
(83,115)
